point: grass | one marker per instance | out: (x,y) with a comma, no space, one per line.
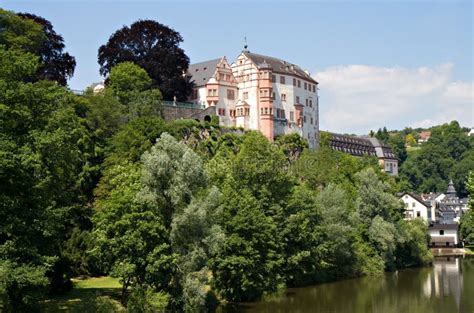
(410,149)
(81,298)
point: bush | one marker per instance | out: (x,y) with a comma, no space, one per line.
(106,304)
(146,300)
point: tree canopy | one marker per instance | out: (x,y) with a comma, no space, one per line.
(155,48)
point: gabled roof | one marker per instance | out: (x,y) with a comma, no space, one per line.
(383,151)
(417,198)
(278,65)
(201,72)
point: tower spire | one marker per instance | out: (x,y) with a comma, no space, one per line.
(245,44)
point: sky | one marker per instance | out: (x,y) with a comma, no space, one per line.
(378,63)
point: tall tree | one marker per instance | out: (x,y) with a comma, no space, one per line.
(155,48)
(43,149)
(56,64)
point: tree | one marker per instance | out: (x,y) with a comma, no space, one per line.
(155,48)
(467,220)
(43,148)
(410,140)
(55,64)
(292,145)
(249,263)
(374,198)
(397,143)
(20,34)
(131,240)
(126,80)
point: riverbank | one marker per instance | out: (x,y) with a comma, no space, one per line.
(445,287)
(451,251)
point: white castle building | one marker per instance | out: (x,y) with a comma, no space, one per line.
(259,92)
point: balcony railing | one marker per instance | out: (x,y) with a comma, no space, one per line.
(190,105)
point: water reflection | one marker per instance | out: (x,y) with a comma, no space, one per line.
(446,287)
(446,279)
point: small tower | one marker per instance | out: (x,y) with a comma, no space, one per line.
(451,192)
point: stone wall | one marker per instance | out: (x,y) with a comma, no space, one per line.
(171,113)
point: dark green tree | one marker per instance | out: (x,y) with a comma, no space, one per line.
(155,48)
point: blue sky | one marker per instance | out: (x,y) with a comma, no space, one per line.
(418,54)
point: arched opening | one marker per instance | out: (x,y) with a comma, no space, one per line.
(207,118)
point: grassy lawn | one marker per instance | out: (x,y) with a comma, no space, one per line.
(81,298)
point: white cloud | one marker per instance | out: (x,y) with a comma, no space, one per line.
(358,98)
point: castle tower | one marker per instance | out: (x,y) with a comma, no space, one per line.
(265,101)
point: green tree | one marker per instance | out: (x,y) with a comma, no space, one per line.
(410,140)
(131,240)
(44,149)
(467,220)
(55,64)
(126,80)
(249,263)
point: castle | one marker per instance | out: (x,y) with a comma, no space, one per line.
(259,92)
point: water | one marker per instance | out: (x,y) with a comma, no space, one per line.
(446,287)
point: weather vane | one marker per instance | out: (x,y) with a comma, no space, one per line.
(245,41)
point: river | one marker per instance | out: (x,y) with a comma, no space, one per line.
(445,287)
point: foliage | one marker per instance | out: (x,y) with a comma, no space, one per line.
(292,145)
(447,155)
(20,34)
(155,48)
(249,262)
(105,304)
(467,220)
(145,300)
(126,78)
(55,64)
(44,149)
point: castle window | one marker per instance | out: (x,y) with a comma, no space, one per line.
(294,81)
(247,111)
(282,79)
(304,119)
(274,78)
(266,110)
(282,113)
(273,96)
(305,86)
(292,116)
(230,94)
(311,121)
(297,99)
(314,88)
(441,232)
(283,97)
(299,83)
(278,113)
(306,102)
(310,103)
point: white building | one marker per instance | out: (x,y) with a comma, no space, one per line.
(444,235)
(415,207)
(259,92)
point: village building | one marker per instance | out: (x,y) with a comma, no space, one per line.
(258,92)
(424,136)
(441,211)
(365,146)
(416,207)
(444,235)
